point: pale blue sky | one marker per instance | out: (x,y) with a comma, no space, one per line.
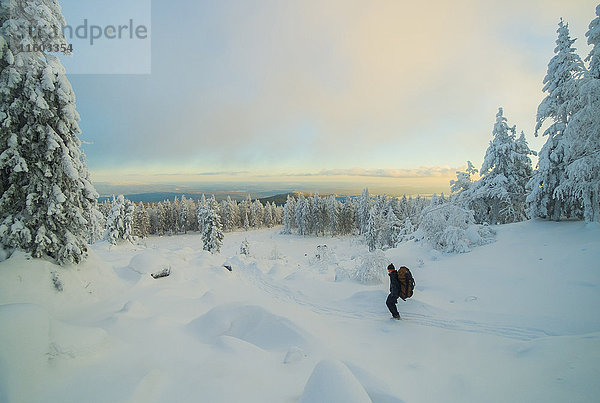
(362,90)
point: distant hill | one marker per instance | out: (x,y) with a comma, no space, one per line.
(279,199)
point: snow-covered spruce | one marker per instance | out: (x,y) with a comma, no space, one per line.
(119,224)
(561,84)
(210,225)
(389,220)
(463,179)
(289,209)
(582,137)
(499,196)
(48,202)
(141,222)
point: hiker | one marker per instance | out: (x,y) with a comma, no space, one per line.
(392,299)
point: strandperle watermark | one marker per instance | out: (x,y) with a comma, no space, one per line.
(108,37)
(93,32)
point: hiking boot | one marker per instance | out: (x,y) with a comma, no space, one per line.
(397,317)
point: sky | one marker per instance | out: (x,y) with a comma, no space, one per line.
(392,95)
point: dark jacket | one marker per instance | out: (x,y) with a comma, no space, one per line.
(394,284)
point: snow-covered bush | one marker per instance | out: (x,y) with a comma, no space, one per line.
(452,229)
(322,255)
(371,268)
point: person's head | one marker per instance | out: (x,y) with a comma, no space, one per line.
(391,267)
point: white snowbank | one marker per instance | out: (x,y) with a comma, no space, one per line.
(252,324)
(332,382)
(515,320)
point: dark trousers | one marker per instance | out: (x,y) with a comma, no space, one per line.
(391,304)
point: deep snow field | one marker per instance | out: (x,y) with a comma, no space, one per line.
(513,321)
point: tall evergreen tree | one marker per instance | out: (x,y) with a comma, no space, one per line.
(582,136)
(373,230)
(560,83)
(257,214)
(333,207)
(141,221)
(300,215)
(347,220)
(119,225)
(47,200)
(288,215)
(212,235)
(499,196)
(183,214)
(362,211)
(391,228)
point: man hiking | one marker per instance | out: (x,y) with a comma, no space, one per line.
(392,299)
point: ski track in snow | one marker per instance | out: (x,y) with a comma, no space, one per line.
(283,293)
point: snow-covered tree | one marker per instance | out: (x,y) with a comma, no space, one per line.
(373,230)
(47,200)
(391,229)
(347,220)
(593,35)
(561,85)
(201,213)
(141,221)
(406,231)
(96,227)
(371,268)
(451,228)
(320,214)
(301,216)
(245,248)
(257,214)
(333,213)
(209,223)
(289,211)
(499,196)
(582,137)
(363,210)
(245,212)
(463,180)
(212,235)
(277,213)
(403,208)
(269,217)
(119,225)
(183,214)
(231,219)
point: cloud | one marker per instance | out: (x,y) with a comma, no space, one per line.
(294,86)
(422,172)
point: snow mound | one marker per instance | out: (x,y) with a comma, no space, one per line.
(148,262)
(252,324)
(31,341)
(294,354)
(71,341)
(331,382)
(134,309)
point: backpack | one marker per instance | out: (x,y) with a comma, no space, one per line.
(407,283)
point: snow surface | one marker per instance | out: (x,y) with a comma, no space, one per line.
(517,320)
